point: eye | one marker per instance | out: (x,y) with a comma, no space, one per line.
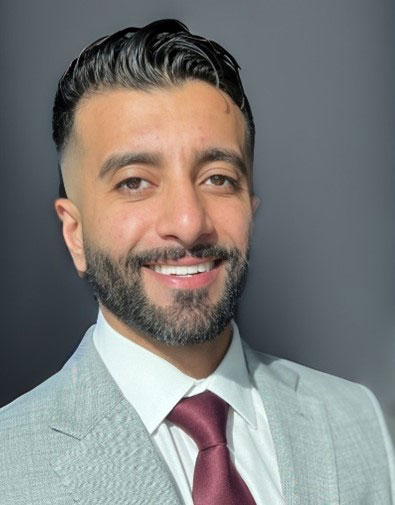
(134,184)
(222,181)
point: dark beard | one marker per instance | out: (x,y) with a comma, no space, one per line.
(191,319)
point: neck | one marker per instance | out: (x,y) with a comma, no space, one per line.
(196,360)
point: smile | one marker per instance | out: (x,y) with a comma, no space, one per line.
(190,274)
(183,270)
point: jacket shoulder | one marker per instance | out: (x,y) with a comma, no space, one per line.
(329,388)
(31,408)
(348,404)
(27,444)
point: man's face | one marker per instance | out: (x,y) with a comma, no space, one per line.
(160,212)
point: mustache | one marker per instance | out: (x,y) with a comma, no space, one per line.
(137,260)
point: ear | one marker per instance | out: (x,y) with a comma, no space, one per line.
(255,202)
(72,232)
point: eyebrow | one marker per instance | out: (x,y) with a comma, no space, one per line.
(220,154)
(117,161)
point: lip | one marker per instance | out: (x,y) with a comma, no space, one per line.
(194,281)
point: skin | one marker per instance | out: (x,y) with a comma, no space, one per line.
(171,201)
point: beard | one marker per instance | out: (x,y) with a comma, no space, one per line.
(191,318)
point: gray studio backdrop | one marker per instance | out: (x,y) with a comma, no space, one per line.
(320,75)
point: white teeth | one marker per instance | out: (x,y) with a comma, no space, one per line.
(183,270)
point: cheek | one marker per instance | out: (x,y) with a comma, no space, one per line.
(234,225)
(120,230)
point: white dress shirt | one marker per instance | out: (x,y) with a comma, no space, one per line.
(154,386)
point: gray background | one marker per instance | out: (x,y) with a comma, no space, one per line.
(320,75)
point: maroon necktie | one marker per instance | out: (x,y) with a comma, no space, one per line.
(215,480)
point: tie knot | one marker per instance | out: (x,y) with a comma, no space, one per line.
(203,417)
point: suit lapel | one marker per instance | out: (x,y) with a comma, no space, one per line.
(300,431)
(110,459)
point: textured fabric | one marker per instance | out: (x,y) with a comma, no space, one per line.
(76,439)
(249,438)
(216,480)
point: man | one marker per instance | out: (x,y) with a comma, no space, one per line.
(163,403)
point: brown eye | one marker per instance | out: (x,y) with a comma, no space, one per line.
(218,180)
(223,182)
(134,184)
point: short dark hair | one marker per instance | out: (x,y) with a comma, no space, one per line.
(160,54)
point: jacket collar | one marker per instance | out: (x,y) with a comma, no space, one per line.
(112,459)
(301,433)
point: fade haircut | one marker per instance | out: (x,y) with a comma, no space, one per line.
(161,54)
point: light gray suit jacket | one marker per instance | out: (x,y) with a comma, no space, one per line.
(76,439)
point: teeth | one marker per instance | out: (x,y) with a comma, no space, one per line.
(183,270)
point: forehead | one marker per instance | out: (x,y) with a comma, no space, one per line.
(173,121)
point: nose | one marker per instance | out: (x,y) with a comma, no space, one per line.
(183,216)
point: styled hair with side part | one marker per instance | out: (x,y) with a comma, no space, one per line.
(161,54)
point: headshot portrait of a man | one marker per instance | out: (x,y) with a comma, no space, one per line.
(163,402)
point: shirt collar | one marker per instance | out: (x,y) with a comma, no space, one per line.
(147,380)
(231,381)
